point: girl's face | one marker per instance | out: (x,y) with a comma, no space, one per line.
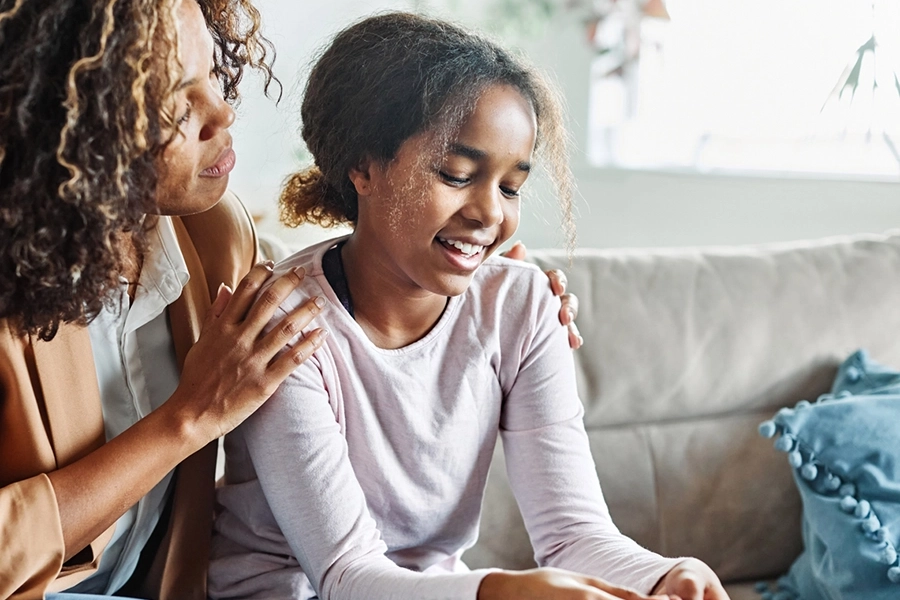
(432,225)
(193,173)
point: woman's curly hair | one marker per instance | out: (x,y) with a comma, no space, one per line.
(86,101)
(391,76)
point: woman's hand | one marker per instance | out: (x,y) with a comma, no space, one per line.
(553,584)
(227,374)
(233,369)
(691,579)
(569,309)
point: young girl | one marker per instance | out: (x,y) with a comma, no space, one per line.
(363,476)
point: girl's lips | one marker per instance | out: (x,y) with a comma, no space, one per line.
(458,260)
(223,165)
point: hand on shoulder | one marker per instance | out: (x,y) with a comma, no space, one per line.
(558,282)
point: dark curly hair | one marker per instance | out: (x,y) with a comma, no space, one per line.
(86,102)
(391,76)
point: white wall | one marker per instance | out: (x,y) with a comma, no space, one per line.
(616,208)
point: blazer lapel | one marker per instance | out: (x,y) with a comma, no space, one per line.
(66,371)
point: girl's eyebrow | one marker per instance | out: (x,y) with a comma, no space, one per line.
(476,155)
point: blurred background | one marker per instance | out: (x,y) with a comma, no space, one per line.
(694,122)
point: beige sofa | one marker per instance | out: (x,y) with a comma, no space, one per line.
(686,352)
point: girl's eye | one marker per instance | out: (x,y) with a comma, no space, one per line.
(458,181)
(185,117)
(509,192)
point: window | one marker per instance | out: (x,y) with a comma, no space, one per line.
(769,86)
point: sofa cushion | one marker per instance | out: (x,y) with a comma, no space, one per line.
(845,451)
(686,351)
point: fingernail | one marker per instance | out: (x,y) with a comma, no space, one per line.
(320,301)
(221,287)
(299,271)
(268,264)
(323,333)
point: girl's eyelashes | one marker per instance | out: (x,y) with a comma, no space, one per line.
(461,181)
(509,192)
(458,181)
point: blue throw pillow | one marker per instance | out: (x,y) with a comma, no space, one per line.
(845,450)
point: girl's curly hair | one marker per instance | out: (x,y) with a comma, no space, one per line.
(86,100)
(391,76)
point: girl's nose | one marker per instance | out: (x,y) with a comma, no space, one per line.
(484,206)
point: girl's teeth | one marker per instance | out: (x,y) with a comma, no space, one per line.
(467,249)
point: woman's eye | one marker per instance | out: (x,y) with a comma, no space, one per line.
(185,117)
(453,180)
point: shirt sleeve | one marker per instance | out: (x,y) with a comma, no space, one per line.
(551,470)
(302,463)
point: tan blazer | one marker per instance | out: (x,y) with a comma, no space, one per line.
(50,416)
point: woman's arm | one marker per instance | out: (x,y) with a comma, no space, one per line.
(227,375)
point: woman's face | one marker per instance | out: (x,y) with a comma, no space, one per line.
(432,225)
(194,168)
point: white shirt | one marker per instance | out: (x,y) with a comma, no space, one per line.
(137,371)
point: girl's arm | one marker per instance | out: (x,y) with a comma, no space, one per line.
(553,477)
(305,478)
(227,374)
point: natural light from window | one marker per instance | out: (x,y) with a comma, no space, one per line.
(762,87)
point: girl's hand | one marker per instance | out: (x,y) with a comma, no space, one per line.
(233,369)
(692,579)
(553,584)
(569,309)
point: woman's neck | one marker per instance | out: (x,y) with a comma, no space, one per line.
(132,262)
(391,312)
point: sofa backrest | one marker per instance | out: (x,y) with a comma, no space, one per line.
(686,352)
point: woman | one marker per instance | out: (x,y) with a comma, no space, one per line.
(116,235)
(112,116)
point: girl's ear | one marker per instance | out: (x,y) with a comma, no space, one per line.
(361,177)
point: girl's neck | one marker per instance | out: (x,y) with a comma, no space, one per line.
(391,314)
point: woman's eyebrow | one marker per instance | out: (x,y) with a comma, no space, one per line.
(186,83)
(476,155)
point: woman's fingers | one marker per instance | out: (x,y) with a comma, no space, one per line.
(242,298)
(295,356)
(568,312)
(291,325)
(558,281)
(516,252)
(271,298)
(223,295)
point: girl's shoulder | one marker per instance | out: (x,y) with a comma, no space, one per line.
(314,282)
(512,281)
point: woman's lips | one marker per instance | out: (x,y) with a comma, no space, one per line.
(223,166)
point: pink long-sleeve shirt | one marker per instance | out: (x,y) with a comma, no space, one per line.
(363,476)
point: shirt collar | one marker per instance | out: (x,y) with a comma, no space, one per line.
(163,276)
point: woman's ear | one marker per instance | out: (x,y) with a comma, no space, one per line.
(361,177)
